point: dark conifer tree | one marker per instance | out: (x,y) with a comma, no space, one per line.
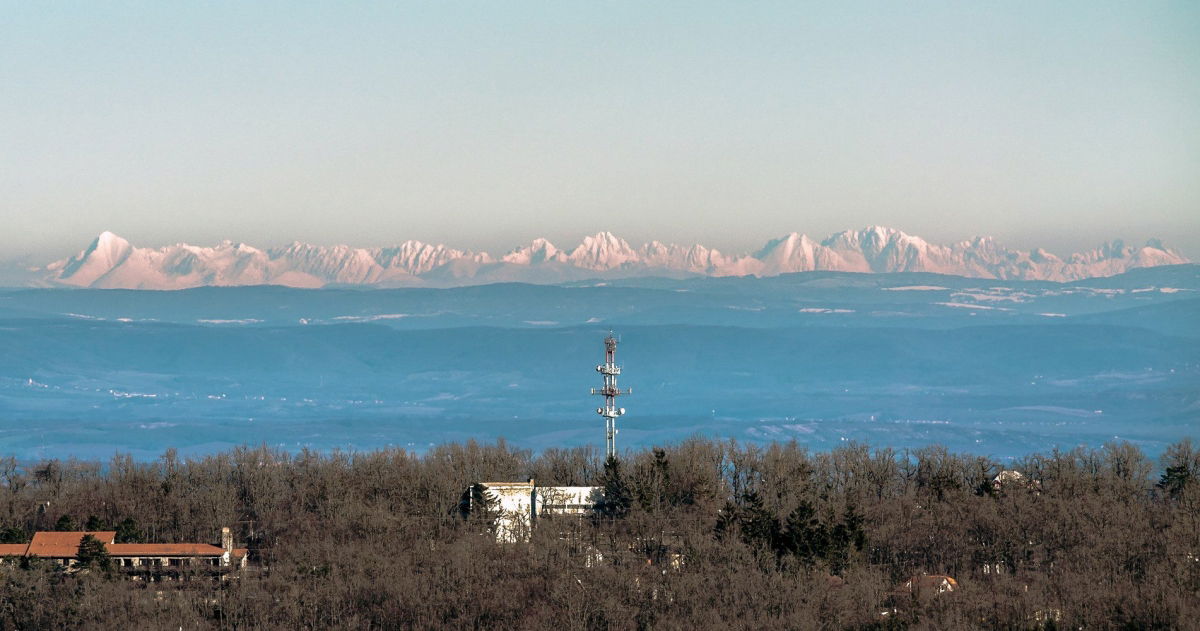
(128,532)
(1174,480)
(803,533)
(844,537)
(13,534)
(758,525)
(92,554)
(478,505)
(617,498)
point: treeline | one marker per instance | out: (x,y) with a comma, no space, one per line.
(702,534)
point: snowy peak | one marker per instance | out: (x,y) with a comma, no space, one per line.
(602,251)
(106,252)
(538,251)
(794,252)
(112,262)
(872,238)
(1116,249)
(108,242)
(695,259)
(415,257)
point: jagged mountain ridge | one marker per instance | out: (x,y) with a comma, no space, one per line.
(112,262)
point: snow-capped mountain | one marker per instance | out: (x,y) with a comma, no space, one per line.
(539,251)
(112,262)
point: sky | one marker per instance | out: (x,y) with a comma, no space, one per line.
(483,125)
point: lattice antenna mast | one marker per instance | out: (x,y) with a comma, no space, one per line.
(609,369)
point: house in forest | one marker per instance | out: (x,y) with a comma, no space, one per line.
(925,586)
(63,548)
(517,506)
(921,588)
(1009,479)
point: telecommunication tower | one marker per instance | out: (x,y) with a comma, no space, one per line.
(610,392)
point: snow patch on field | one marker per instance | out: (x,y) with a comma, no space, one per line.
(992,296)
(1055,409)
(373,318)
(1161,290)
(132,395)
(961,305)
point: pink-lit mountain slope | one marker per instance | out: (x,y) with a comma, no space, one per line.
(112,262)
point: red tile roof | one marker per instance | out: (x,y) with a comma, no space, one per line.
(164,550)
(13,549)
(64,544)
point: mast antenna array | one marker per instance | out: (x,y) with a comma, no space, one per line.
(609,369)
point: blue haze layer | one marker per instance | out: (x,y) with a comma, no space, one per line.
(992,367)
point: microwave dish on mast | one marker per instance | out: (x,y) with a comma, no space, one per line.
(610,370)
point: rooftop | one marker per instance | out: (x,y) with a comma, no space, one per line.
(164,550)
(64,544)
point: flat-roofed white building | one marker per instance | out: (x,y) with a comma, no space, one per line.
(520,504)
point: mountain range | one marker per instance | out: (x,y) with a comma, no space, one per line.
(113,262)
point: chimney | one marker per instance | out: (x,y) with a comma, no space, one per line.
(227,539)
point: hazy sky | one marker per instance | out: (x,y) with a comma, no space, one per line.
(484,125)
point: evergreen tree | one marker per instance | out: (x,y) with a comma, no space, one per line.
(479,505)
(662,474)
(804,535)
(1181,464)
(93,524)
(13,534)
(92,554)
(727,521)
(65,524)
(759,526)
(844,537)
(617,498)
(752,521)
(128,532)
(1174,480)
(653,483)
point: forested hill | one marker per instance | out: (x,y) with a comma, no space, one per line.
(706,535)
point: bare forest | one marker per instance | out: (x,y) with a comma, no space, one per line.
(698,535)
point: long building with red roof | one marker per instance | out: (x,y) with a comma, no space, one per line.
(63,547)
